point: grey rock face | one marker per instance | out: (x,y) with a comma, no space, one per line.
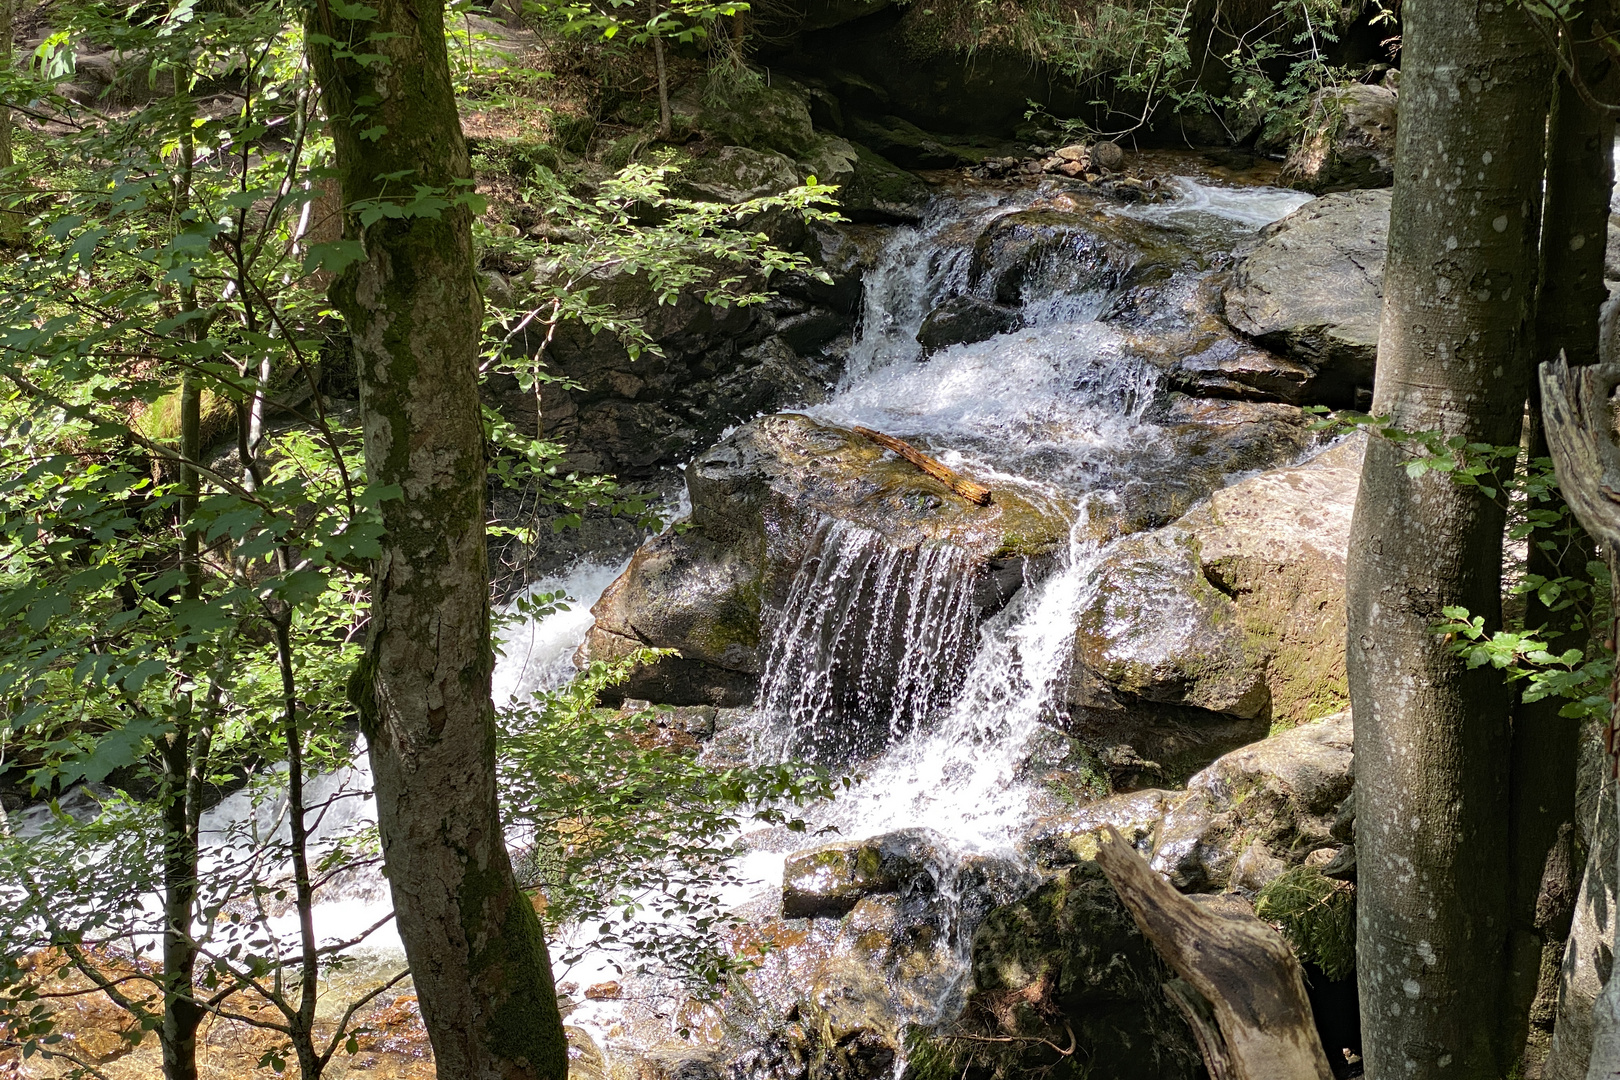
(1350,141)
(1282,792)
(1313,290)
(964,319)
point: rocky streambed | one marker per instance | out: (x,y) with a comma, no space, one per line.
(1142,629)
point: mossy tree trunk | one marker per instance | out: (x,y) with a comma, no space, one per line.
(1544,867)
(1432,736)
(476,948)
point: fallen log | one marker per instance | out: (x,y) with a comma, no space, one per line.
(1240,966)
(967,489)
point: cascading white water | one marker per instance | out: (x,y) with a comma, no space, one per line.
(960,774)
(870,635)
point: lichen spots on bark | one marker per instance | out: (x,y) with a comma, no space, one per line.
(412,306)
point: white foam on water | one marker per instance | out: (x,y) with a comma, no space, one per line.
(960,775)
(1250,207)
(536,655)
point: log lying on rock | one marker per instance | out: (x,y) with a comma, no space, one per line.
(967,489)
(1241,967)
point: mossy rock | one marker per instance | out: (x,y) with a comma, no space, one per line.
(1157,631)
(1066,961)
(753,113)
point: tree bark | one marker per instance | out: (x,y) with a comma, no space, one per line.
(476,948)
(1433,737)
(1569,299)
(1577,408)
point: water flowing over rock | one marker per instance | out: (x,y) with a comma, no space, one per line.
(789,515)
(1313,290)
(972,663)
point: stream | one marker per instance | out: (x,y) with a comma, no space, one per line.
(949,707)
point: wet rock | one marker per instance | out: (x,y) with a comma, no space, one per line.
(1282,792)
(963,319)
(1210,440)
(827,882)
(758,499)
(1071,838)
(687,592)
(1313,290)
(1158,631)
(1084,250)
(1230,367)
(1349,141)
(1204,632)
(1276,544)
(854,1032)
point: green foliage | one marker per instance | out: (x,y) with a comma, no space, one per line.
(633,22)
(1537,514)
(1316,914)
(633,841)
(606,262)
(1143,56)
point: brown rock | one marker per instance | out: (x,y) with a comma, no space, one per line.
(1108,156)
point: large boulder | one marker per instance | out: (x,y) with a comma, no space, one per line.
(1349,141)
(1276,543)
(786,496)
(1270,804)
(1202,634)
(1313,290)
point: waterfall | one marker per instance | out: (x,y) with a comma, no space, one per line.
(957,768)
(871,640)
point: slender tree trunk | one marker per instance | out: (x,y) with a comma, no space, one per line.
(476,949)
(7,12)
(1569,297)
(1432,736)
(665,120)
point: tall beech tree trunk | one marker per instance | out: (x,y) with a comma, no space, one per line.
(1569,297)
(1432,736)
(476,948)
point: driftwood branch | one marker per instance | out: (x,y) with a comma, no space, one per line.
(967,489)
(1242,967)
(1200,1016)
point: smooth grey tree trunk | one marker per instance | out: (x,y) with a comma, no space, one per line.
(1432,736)
(476,948)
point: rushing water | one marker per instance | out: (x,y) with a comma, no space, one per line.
(879,659)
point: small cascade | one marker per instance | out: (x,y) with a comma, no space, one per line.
(962,773)
(871,640)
